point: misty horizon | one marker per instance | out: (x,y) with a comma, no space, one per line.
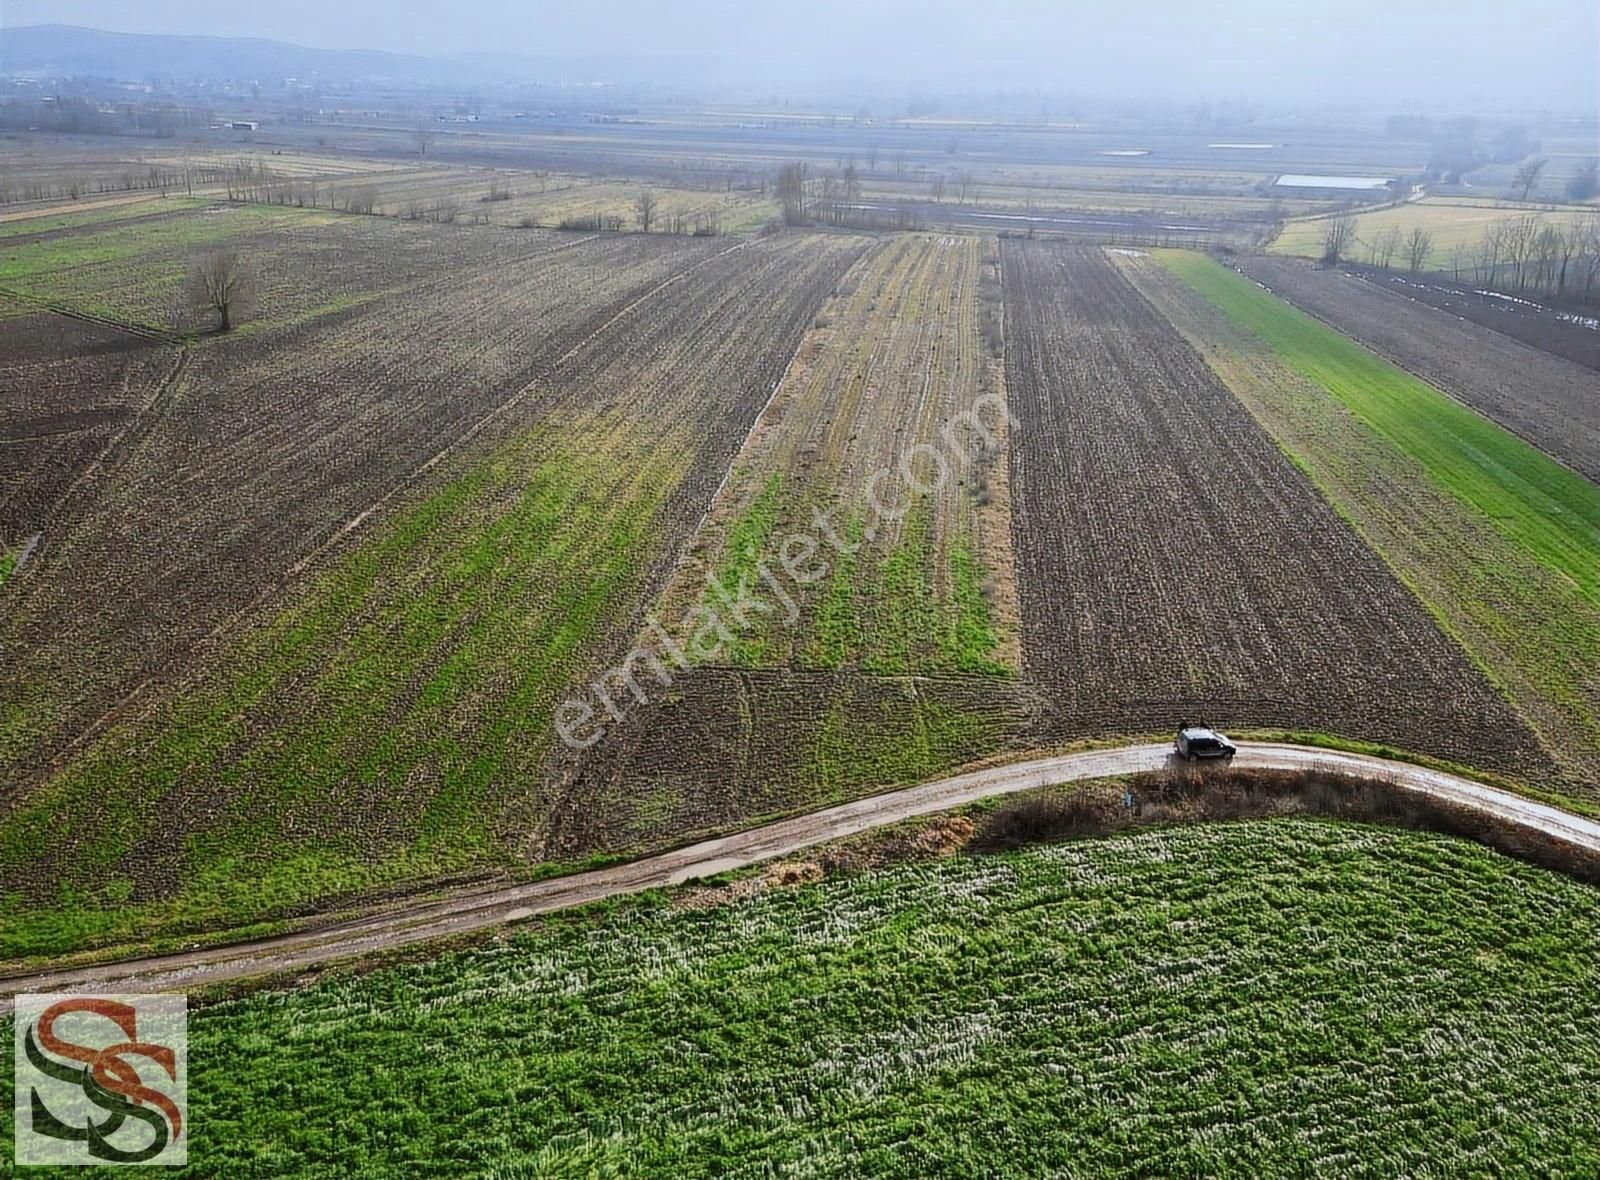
(1430,58)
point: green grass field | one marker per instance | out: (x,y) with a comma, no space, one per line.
(1548,509)
(372,730)
(1499,540)
(135,271)
(1279,997)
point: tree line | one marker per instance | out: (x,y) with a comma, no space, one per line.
(1530,254)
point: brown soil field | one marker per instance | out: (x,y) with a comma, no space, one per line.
(269,446)
(59,416)
(1173,562)
(390,715)
(1551,402)
(1566,331)
(889,364)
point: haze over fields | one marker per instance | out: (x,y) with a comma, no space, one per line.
(1431,54)
(851,589)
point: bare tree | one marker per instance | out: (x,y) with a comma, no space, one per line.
(1528,176)
(1418,246)
(644,209)
(791,193)
(221,284)
(1520,240)
(1338,236)
(852,181)
(937,186)
(1389,243)
(964,183)
(1588,232)
(424,136)
(1547,245)
(1490,248)
(1568,244)
(872,157)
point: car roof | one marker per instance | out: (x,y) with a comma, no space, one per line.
(1200,731)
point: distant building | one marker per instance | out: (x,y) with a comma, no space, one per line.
(244,125)
(1336,187)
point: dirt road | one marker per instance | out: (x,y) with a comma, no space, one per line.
(482,908)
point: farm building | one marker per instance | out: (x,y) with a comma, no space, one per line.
(1336,187)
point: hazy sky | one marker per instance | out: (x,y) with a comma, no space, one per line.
(1541,53)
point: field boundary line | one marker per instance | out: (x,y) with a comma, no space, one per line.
(478,908)
(126,327)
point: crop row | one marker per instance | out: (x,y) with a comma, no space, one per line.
(1173,562)
(867,429)
(393,718)
(1464,511)
(1269,998)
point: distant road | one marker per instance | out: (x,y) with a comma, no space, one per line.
(470,910)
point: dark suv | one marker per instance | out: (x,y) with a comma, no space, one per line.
(1201,741)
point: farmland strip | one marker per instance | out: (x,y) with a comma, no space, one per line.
(1551,402)
(1174,563)
(1533,628)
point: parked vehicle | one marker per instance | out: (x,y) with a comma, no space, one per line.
(1201,741)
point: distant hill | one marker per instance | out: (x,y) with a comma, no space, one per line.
(68,51)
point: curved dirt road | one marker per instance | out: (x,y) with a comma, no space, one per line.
(484,907)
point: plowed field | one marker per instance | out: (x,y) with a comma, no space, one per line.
(1172,560)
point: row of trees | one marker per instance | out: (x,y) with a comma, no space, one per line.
(1537,254)
(76,184)
(1340,243)
(75,115)
(1528,254)
(836,200)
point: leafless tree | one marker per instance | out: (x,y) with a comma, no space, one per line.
(1569,243)
(1490,248)
(872,158)
(1338,236)
(1520,240)
(1389,243)
(1528,176)
(964,186)
(1547,244)
(937,186)
(424,136)
(1588,233)
(220,284)
(852,181)
(361,198)
(1418,246)
(644,209)
(791,192)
